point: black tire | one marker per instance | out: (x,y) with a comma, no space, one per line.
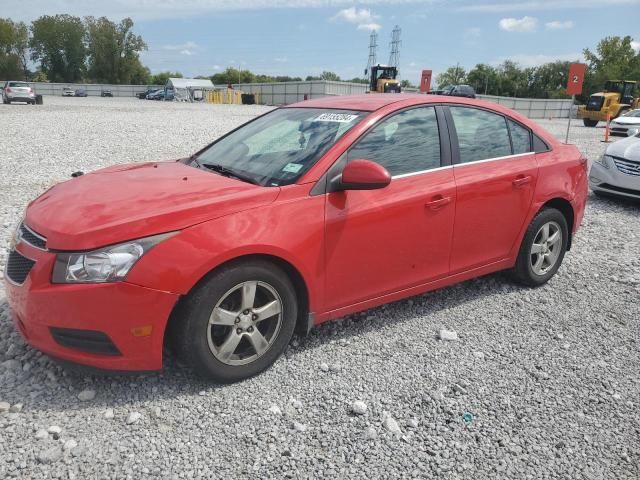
(190,331)
(523,271)
(589,123)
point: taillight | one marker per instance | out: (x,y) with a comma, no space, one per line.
(8,89)
(29,89)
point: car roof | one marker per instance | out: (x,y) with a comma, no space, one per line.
(367,102)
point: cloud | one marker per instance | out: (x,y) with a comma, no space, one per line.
(524,24)
(526,60)
(559,25)
(187,46)
(361,17)
(281,59)
(537,5)
(186,52)
(635,45)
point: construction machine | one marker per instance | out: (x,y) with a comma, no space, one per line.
(617,97)
(383,79)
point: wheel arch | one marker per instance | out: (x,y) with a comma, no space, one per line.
(565,207)
(304,322)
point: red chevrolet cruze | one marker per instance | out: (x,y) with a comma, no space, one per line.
(305,214)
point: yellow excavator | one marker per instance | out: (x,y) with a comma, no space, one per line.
(383,79)
(618,97)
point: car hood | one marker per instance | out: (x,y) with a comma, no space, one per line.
(627,120)
(123,202)
(628,148)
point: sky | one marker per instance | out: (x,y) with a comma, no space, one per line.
(306,37)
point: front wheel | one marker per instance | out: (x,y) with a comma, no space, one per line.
(542,249)
(237,322)
(589,123)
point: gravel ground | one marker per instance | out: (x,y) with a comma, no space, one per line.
(538,384)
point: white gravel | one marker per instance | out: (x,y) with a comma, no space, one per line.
(540,384)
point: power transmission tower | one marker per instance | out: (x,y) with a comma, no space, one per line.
(394,57)
(373,45)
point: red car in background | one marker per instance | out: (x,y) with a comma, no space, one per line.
(308,213)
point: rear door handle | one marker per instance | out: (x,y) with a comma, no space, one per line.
(438,202)
(522,180)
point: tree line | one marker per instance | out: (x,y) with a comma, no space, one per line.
(70,49)
(613,59)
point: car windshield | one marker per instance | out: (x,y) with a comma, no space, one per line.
(279,147)
(633,113)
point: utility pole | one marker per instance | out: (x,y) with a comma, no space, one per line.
(373,46)
(394,56)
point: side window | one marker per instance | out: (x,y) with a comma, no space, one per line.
(481,134)
(520,138)
(407,142)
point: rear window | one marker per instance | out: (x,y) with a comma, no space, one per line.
(18,84)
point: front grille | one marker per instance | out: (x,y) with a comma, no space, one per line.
(18,267)
(32,238)
(595,103)
(627,166)
(90,341)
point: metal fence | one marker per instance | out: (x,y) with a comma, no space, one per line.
(92,89)
(284,93)
(290,92)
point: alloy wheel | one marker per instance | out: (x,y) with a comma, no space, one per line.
(244,323)
(546,248)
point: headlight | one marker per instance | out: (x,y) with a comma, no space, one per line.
(604,160)
(108,264)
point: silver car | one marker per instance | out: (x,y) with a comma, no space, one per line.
(618,171)
(622,124)
(14,91)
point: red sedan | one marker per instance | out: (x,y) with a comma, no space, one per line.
(308,213)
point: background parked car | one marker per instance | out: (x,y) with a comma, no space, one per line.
(617,172)
(156,95)
(81,92)
(18,92)
(68,92)
(143,95)
(459,91)
(106,93)
(622,124)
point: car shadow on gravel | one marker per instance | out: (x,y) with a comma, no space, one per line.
(58,383)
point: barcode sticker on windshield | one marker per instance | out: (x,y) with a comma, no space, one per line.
(292,167)
(335,117)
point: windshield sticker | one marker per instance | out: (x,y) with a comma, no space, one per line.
(335,117)
(292,167)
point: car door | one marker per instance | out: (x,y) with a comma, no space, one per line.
(495,172)
(382,241)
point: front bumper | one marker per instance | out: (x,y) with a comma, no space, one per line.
(40,309)
(610,180)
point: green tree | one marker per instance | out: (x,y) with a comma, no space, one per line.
(233,75)
(57,42)
(113,51)
(484,79)
(550,80)
(162,77)
(331,76)
(614,59)
(14,41)
(404,84)
(451,76)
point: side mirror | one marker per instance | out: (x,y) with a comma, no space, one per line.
(632,132)
(361,175)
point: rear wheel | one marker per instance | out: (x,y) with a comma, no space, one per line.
(237,322)
(542,249)
(589,123)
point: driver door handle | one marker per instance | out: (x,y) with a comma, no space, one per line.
(522,180)
(438,202)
